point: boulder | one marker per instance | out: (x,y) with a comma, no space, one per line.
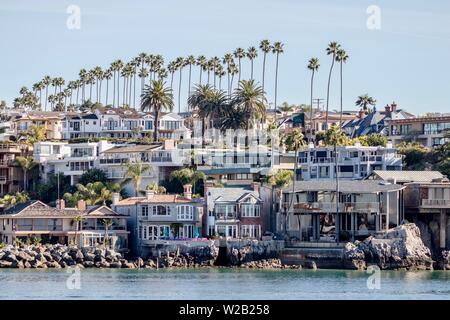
(88,264)
(115,265)
(444,260)
(5,264)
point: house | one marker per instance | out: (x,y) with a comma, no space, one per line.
(51,121)
(354,162)
(160,218)
(86,125)
(309,211)
(234,212)
(36,220)
(428,131)
(375,121)
(70,159)
(11,175)
(426,200)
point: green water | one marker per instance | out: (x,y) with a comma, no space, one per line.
(222,284)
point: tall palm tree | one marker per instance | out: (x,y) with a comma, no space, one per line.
(77,221)
(277,50)
(134,173)
(171,67)
(313,65)
(250,98)
(265,47)
(278,181)
(190,61)
(107,76)
(181,63)
(107,223)
(228,60)
(233,70)
(364,101)
(156,98)
(83,81)
(27,164)
(201,62)
(341,58)
(46,81)
(252,53)
(142,60)
(332,50)
(239,54)
(97,73)
(197,102)
(116,66)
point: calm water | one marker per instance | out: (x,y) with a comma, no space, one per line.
(222,284)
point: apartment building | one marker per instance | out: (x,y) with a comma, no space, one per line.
(70,159)
(353,162)
(234,212)
(428,131)
(160,218)
(11,175)
(35,219)
(310,212)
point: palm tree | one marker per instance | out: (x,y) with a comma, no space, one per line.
(234,118)
(332,50)
(313,65)
(364,101)
(201,62)
(157,97)
(27,164)
(265,47)
(107,223)
(228,60)
(190,61)
(293,141)
(277,50)
(142,60)
(278,180)
(46,81)
(116,66)
(107,76)
(252,53)
(239,54)
(341,58)
(134,173)
(83,81)
(197,102)
(171,67)
(233,70)
(251,99)
(181,63)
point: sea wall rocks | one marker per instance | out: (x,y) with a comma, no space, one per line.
(399,248)
(243,251)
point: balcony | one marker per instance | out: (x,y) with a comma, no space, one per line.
(10,148)
(222,216)
(310,207)
(436,203)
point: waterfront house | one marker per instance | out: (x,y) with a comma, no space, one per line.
(428,131)
(84,125)
(313,211)
(156,219)
(83,226)
(51,121)
(234,212)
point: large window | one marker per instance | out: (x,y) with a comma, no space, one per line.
(185,212)
(250,230)
(144,211)
(155,232)
(250,210)
(160,210)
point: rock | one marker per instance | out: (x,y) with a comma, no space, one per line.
(5,264)
(23,256)
(88,264)
(310,265)
(115,265)
(47,256)
(10,257)
(444,260)
(128,265)
(139,263)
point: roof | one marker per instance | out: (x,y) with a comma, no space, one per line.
(156,198)
(231,194)
(38,209)
(345,186)
(408,175)
(132,148)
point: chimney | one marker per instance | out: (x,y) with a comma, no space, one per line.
(387,111)
(60,204)
(255,186)
(393,107)
(149,194)
(81,205)
(187,191)
(115,198)
(361,114)
(207,185)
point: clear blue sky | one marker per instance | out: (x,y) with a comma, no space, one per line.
(407,60)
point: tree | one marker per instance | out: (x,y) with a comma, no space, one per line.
(33,134)
(11,200)
(179,178)
(278,180)
(197,102)
(134,173)
(341,58)
(107,223)
(313,65)
(156,98)
(93,175)
(77,221)
(239,54)
(252,53)
(27,164)
(277,50)
(250,98)
(180,64)
(92,193)
(234,118)
(153,186)
(373,140)
(414,155)
(364,101)
(332,50)
(336,137)
(190,61)
(265,47)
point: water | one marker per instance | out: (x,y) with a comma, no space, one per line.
(222,284)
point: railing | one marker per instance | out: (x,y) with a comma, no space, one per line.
(6,162)
(331,206)
(435,203)
(323,160)
(225,216)
(371,158)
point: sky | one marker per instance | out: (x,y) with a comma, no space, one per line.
(406,60)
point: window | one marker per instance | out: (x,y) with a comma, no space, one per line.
(144,211)
(186,231)
(140,233)
(161,210)
(250,230)
(185,212)
(250,210)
